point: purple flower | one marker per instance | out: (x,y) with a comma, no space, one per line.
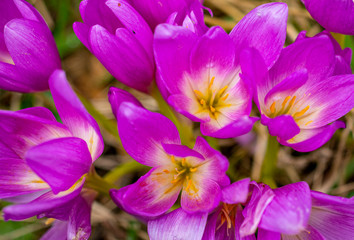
(301,96)
(221,224)
(120,38)
(295,212)
(333,15)
(28,54)
(201,77)
(152,139)
(43,163)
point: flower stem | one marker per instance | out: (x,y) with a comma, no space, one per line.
(123,169)
(270,162)
(185,130)
(97,183)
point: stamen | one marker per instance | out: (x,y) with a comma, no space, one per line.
(173,159)
(189,185)
(302,112)
(227,217)
(166,171)
(291,104)
(212,109)
(179,173)
(272,107)
(223,90)
(211,82)
(49,221)
(199,93)
(225,97)
(285,101)
(193,169)
(308,123)
(202,101)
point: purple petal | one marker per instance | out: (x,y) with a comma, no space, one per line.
(117,96)
(172,47)
(283,126)
(57,232)
(178,225)
(311,139)
(22,131)
(6,151)
(261,197)
(332,216)
(82,32)
(142,133)
(236,128)
(264,28)
(181,151)
(28,11)
(119,54)
(132,21)
(309,234)
(46,202)
(210,228)
(236,192)
(203,198)
(34,54)
(268,235)
(334,15)
(289,210)
(152,195)
(39,112)
(74,115)
(16,178)
(70,157)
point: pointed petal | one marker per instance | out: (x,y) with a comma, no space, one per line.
(71,159)
(74,115)
(46,202)
(152,195)
(119,54)
(311,139)
(283,126)
(28,11)
(21,131)
(39,112)
(142,133)
(264,28)
(16,178)
(290,209)
(82,32)
(237,192)
(178,225)
(181,151)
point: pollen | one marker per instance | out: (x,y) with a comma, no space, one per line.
(212,109)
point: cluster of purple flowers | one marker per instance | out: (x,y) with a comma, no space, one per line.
(205,74)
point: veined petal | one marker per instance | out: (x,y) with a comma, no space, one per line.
(261,197)
(283,126)
(311,139)
(28,11)
(264,28)
(119,54)
(152,195)
(178,224)
(21,131)
(237,192)
(309,234)
(41,112)
(74,115)
(204,196)
(181,151)
(46,202)
(57,232)
(268,235)
(332,216)
(16,178)
(12,79)
(71,159)
(142,133)
(289,211)
(172,47)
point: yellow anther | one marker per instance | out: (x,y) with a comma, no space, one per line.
(223,90)
(193,169)
(173,158)
(49,221)
(302,112)
(189,185)
(211,82)
(202,101)
(179,172)
(212,109)
(285,101)
(183,161)
(272,107)
(199,93)
(225,97)
(166,171)
(308,123)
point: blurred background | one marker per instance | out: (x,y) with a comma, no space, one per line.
(329,169)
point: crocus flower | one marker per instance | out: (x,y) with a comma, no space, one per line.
(28,54)
(301,96)
(201,76)
(221,224)
(153,140)
(295,212)
(120,38)
(44,163)
(334,15)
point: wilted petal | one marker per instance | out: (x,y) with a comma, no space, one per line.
(178,224)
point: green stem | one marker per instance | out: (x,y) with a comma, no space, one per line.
(123,169)
(97,183)
(340,38)
(185,130)
(269,165)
